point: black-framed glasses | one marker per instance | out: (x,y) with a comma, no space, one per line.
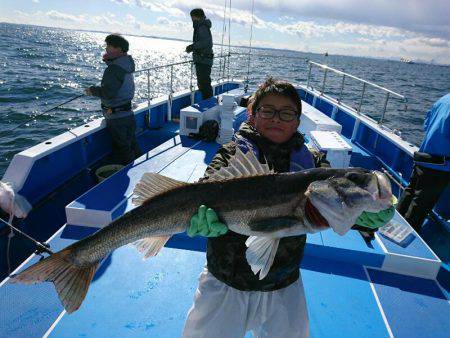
(286,115)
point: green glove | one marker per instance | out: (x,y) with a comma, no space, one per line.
(375,220)
(206,223)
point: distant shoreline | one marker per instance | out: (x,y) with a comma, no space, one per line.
(235,46)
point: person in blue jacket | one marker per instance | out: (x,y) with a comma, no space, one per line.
(431,173)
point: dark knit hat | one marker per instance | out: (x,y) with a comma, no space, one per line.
(198,12)
(117,41)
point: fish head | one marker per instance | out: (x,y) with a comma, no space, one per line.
(339,201)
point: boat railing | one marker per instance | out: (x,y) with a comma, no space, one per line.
(175,72)
(326,69)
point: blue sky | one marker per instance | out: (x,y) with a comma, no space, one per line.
(414,29)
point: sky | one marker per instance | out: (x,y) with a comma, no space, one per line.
(414,29)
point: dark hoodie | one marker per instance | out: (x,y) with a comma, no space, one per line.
(226,253)
(117,87)
(202,42)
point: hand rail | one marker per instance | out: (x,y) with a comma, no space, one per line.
(177,63)
(364,82)
(147,72)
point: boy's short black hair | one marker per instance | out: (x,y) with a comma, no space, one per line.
(198,12)
(272,86)
(117,41)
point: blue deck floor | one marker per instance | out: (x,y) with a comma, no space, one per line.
(130,297)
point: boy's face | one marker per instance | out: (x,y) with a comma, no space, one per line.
(275,129)
(113,50)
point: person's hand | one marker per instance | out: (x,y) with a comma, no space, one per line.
(375,220)
(189,48)
(88,91)
(206,223)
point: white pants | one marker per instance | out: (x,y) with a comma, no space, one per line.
(220,311)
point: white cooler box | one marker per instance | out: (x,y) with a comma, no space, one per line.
(338,151)
(313,119)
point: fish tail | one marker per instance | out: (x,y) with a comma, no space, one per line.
(71,281)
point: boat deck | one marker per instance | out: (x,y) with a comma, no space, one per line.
(352,288)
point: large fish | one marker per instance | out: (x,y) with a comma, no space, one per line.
(249,198)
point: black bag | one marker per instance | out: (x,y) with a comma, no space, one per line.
(208,131)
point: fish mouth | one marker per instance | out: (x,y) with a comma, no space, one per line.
(314,216)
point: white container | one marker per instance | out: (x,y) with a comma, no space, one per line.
(228,100)
(338,151)
(190,120)
(313,119)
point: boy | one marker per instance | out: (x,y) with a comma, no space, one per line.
(230,298)
(116,92)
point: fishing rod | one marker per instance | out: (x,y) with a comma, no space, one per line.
(42,247)
(47,111)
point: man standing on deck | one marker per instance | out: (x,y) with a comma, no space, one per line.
(202,52)
(116,92)
(431,173)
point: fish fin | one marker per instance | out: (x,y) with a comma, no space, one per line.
(152,184)
(71,281)
(151,245)
(260,254)
(241,165)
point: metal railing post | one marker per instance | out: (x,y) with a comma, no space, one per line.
(324,80)
(169,102)
(384,109)
(309,75)
(191,86)
(149,99)
(342,88)
(228,70)
(362,96)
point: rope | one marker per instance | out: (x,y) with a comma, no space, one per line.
(8,244)
(47,111)
(250,47)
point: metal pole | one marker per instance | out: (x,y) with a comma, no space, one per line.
(191,86)
(384,108)
(342,88)
(169,102)
(324,80)
(309,75)
(229,39)
(228,68)
(362,96)
(149,99)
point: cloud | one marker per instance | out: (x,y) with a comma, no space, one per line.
(55,15)
(426,17)
(154,6)
(293,31)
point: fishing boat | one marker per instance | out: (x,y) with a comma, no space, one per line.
(406,60)
(355,286)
